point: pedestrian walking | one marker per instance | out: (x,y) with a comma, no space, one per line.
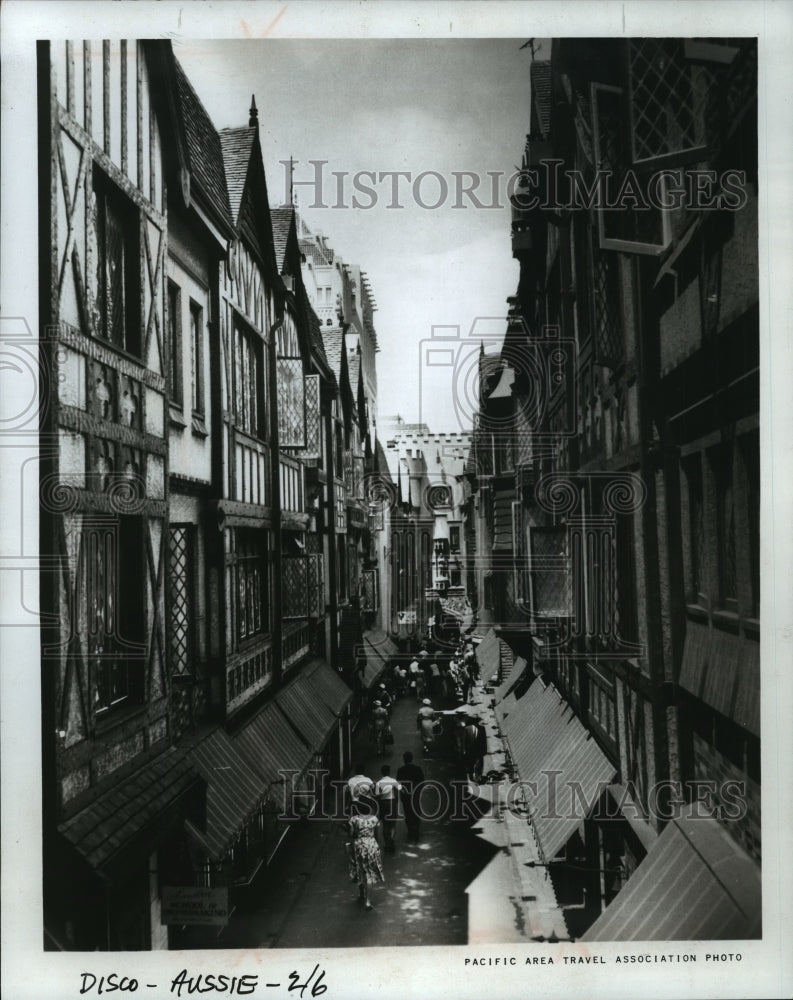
(435,674)
(379,727)
(410,777)
(359,786)
(466,681)
(425,721)
(475,739)
(413,677)
(387,791)
(384,697)
(365,865)
(400,676)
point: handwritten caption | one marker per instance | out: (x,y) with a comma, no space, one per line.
(184,984)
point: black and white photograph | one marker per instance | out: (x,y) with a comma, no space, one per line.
(394,488)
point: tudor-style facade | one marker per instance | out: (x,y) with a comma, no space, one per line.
(194,503)
(106,730)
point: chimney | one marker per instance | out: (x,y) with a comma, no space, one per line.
(253,121)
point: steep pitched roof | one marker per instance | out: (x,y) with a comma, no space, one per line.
(381,461)
(203,145)
(236,144)
(541,93)
(311,249)
(333,340)
(283,220)
(354,365)
(314,329)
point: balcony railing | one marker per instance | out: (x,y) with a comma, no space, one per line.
(247,674)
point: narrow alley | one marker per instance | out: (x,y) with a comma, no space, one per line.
(305,899)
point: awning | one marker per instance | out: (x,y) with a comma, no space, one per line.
(502,521)
(488,655)
(511,678)
(273,745)
(378,648)
(510,901)
(328,686)
(480,631)
(304,704)
(550,747)
(695,884)
(136,806)
(235,789)
(723,670)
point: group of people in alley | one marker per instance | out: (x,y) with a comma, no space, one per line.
(373,805)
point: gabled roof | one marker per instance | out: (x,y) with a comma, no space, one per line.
(237,144)
(354,365)
(381,461)
(203,145)
(333,340)
(489,374)
(283,220)
(541,93)
(314,331)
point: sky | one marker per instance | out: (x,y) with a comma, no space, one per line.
(384,105)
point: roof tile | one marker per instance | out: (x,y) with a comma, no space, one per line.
(203,145)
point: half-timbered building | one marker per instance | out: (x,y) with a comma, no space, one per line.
(117,792)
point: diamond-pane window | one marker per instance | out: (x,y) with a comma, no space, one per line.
(180,609)
(550,573)
(370,596)
(294,586)
(608,328)
(316,585)
(669,95)
(313,417)
(291,404)
(628,219)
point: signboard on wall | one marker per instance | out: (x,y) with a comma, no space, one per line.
(195,906)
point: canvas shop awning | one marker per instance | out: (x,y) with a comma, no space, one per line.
(550,747)
(696,883)
(134,811)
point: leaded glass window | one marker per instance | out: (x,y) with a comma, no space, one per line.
(181,610)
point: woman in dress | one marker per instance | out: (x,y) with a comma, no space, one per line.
(379,726)
(365,862)
(425,720)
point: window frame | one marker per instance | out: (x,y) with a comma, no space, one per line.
(197,388)
(191,588)
(246,541)
(111,202)
(175,380)
(249,388)
(122,543)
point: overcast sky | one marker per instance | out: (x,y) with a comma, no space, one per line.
(391,105)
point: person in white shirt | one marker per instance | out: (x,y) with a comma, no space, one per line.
(387,791)
(359,786)
(414,671)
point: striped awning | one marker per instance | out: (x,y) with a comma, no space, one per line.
(327,685)
(723,670)
(310,707)
(270,741)
(510,679)
(695,884)
(378,648)
(134,809)
(488,654)
(551,749)
(235,789)
(502,521)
